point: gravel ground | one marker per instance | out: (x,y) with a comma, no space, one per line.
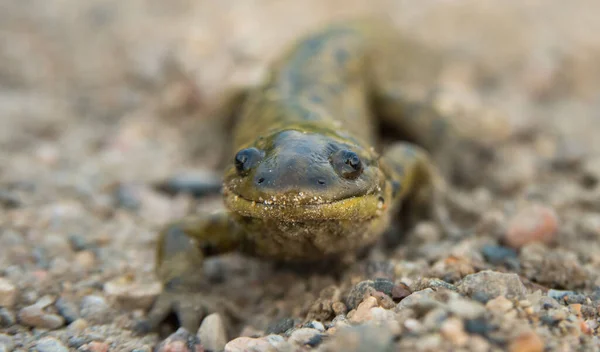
(101,99)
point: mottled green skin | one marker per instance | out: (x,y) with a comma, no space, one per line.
(327,93)
(318,98)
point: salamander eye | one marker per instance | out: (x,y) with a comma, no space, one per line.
(246,159)
(347,164)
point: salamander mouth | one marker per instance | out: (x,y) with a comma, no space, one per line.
(360,207)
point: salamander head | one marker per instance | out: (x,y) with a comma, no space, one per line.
(298,175)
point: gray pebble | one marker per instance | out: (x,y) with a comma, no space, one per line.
(128,196)
(8,293)
(357,294)
(177,339)
(303,336)
(198,184)
(6,343)
(9,200)
(280,326)
(95,309)
(493,284)
(437,283)
(77,341)
(479,326)
(67,309)
(567,297)
(417,298)
(29,296)
(315,325)
(480,297)
(383,285)
(7,317)
(40,256)
(49,344)
(279,342)
(78,243)
(35,316)
(361,338)
(434,318)
(499,255)
(466,309)
(212,333)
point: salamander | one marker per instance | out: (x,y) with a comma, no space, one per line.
(307,179)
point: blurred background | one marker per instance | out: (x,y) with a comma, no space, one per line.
(124,82)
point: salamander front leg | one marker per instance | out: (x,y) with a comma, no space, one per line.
(181,249)
(415,180)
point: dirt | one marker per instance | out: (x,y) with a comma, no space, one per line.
(99,100)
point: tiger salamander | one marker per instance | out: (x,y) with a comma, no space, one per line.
(306,181)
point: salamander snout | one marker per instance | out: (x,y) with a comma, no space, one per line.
(304,167)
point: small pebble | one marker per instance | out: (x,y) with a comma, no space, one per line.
(339,308)
(479,326)
(591,171)
(433,318)
(363,312)
(383,285)
(416,297)
(127,196)
(303,336)
(212,333)
(414,326)
(7,317)
(95,309)
(78,325)
(499,255)
(480,297)
(198,184)
(9,200)
(363,288)
(85,260)
(427,232)
(95,346)
(8,293)
(365,337)
(499,305)
(280,326)
(437,284)
(35,316)
(6,343)
(315,341)
(527,342)
(132,295)
(245,344)
(49,344)
(339,321)
(536,223)
(382,314)
(78,243)
(568,297)
(315,325)
(76,341)
(400,292)
(493,284)
(452,329)
(179,341)
(466,309)
(67,309)
(280,344)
